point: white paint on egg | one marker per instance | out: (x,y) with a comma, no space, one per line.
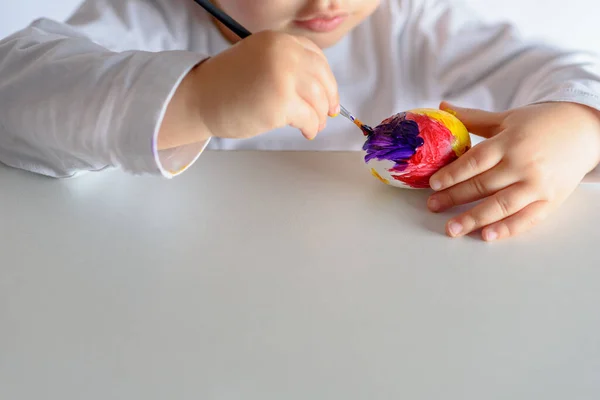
(382,168)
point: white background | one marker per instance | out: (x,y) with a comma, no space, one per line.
(571,23)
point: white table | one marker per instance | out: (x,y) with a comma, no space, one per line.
(285,276)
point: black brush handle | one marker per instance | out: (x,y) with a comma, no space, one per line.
(225,19)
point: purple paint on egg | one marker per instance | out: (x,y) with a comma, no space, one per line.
(396,139)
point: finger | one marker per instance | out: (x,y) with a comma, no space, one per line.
(475,161)
(517,223)
(312,92)
(495,208)
(479,122)
(304,117)
(476,188)
(321,70)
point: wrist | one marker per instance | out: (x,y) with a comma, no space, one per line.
(594,127)
(183,123)
(586,119)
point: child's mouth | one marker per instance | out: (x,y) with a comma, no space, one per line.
(321,24)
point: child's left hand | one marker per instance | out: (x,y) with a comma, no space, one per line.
(533,160)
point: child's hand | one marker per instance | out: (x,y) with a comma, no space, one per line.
(533,160)
(267,81)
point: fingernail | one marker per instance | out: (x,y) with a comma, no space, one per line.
(491,235)
(436,185)
(449,108)
(434,204)
(336,111)
(455,228)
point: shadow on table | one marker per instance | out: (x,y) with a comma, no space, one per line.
(347,172)
(411,205)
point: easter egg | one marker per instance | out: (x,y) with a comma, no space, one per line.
(407,148)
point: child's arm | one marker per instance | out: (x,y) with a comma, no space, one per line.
(543,137)
(137,99)
(68,104)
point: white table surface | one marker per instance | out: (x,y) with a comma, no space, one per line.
(285,276)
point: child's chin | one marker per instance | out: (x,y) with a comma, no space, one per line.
(329,42)
(323,40)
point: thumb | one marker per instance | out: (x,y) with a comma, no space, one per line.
(479,122)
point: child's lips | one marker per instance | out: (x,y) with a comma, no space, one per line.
(322,23)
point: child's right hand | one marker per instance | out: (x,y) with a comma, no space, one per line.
(267,81)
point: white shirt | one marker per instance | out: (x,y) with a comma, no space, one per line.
(90,93)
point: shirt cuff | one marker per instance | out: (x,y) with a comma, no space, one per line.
(156,84)
(173,162)
(584,93)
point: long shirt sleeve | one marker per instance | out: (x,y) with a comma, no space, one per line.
(91,93)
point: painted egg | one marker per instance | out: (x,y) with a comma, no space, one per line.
(407,148)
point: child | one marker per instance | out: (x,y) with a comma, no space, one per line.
(146,85)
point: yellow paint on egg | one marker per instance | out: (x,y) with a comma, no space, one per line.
(456,127)
(376,175)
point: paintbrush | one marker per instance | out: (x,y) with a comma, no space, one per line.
(243,33)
